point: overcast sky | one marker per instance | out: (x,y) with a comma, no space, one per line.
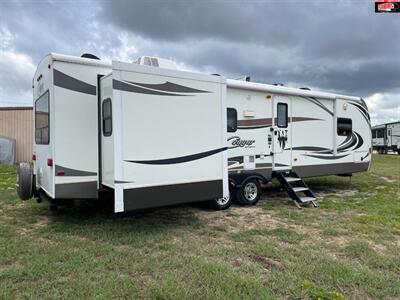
(335,45)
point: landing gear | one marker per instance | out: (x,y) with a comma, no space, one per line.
(249,193)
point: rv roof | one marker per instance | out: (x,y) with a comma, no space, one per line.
(385,124)
(80,60)
(245,85)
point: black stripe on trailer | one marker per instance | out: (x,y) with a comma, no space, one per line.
(157,196)
(70,83)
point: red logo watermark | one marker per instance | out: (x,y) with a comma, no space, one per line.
(387,6)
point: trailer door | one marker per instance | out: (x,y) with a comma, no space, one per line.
(282,148)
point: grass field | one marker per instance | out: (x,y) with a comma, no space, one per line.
(347,248)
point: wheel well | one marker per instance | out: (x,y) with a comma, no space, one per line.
(237,180)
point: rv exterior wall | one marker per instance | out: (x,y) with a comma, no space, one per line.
(17,123)
(311,143)
(168,137)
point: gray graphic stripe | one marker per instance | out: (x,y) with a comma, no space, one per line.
(318,103)
(67,82)
(326,157)
(178,160)
(72,172)
(168,87)
(128,87)
(309,148)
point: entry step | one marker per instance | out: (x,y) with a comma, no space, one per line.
(307,199)
(292,179)
(300,189)
(293,184)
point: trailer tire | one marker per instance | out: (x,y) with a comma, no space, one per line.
(25,181)
(221,203)
(249,193)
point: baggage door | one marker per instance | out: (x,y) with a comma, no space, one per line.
(282,148)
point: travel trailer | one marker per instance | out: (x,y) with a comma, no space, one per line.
(386,137)
(153,135)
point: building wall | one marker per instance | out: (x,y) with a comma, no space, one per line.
(17,123)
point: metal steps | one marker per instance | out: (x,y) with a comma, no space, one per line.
(300,189)
(293,185)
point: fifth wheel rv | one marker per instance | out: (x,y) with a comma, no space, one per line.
(156,136)
(386,137)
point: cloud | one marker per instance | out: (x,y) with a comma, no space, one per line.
(384,107)
(336,45)
(340,46)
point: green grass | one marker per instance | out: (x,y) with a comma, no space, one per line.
(347,248)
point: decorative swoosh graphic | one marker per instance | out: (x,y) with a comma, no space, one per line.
(318,103)
(267,122)
(354,140)
(308,148)
(326,157)
(360,141)
(178,160)
(128,87)
(164,89)
(363,112)
(70,83)
(168,87)
(254,123)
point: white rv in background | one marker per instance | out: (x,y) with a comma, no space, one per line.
(386,137)
(157,136)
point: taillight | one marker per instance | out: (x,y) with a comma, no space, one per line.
(33,156)
(50,162)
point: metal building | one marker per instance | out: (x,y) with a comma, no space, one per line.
(16,123)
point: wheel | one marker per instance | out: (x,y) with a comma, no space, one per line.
(221,203)
(249,193)
(25,181)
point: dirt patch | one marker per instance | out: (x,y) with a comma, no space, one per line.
(387,179)
(238,262)
(336,193)
(42,221)
(267,263)
(240,218)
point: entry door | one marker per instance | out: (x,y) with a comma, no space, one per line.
(282,141)
(389,137)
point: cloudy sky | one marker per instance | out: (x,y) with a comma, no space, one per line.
(335,45)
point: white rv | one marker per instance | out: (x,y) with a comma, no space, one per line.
(156,136)
(386,137)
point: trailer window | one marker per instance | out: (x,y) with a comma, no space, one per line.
(232,119)
(107,117)
(282,115)
(373,134)
(344,126)
(42,120)
(380,134)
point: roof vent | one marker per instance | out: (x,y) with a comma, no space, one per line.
(156,62)
(90,56)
